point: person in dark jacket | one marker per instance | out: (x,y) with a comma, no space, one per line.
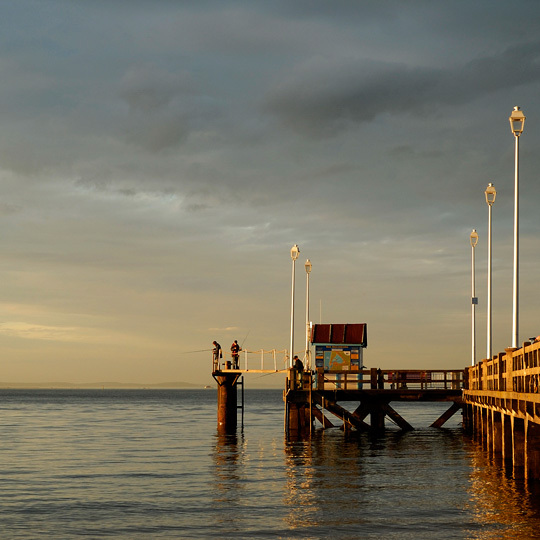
(235,353)
(217,354)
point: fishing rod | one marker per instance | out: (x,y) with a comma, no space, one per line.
(273,373)
(244,340)
(191,352)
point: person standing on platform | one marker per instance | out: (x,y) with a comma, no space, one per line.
(299,368)
(235,353)
(217,354)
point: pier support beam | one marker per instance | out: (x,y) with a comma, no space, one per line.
(396,417)
(518,446)
(298,419)
(454,408)
(507,451)
(497,433)
(227,402)
(377,415)
(299,409)
(484,428)
(532,452)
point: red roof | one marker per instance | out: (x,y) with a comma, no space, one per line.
(340,334)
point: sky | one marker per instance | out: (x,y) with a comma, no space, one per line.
(159,159)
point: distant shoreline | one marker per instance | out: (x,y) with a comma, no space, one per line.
(98,385)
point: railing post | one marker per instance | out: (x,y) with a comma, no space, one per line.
(274,357)
(509,368)
(373,373)
(262,359)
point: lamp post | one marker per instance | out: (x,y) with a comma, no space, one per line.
(474,302)
(517,121)
(307,266)
(295,251)
(490,193)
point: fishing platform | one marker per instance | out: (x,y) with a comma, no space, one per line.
(317,396)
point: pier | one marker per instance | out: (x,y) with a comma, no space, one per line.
(502,407)
(499,399)
(320,396)
(316,398)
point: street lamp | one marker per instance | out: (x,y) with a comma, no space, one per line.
(517,121)
(295,251)
(490,193)
(307,266)
(474,302)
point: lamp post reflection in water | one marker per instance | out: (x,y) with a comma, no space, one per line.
(474,301)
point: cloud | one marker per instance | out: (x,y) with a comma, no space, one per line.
(225,329)
(65,334)
(164,107)
(40,332)
(325,95)
(147,88)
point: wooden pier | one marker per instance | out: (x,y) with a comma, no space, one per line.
(499,398)
(502,407)
(318,396)
(313,398)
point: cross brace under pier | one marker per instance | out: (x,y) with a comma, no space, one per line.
(373,403)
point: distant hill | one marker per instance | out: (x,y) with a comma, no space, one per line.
(99,385)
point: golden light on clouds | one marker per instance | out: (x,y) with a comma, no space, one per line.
(32,331)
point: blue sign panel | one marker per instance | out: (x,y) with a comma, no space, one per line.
(338,358)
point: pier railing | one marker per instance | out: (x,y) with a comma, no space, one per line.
(378,379)
(515,370)
(256,360)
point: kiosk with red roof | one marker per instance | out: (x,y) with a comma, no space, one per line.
(339,347)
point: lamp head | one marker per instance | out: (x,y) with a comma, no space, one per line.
(474,238)
(517,121)
(307,266)
(295,251)
(491,193)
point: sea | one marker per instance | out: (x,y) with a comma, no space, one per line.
(133,464)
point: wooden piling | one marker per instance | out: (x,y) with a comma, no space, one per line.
(227,402)
(298,408)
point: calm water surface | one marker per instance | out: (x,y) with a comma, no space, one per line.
(149,464)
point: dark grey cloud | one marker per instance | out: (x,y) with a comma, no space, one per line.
(148,88)
(164,106)
(325,95)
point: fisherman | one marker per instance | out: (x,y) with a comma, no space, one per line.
(235,353)
(299,369)
(217,354)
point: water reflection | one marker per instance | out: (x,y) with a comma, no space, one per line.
(428,483)
(500,505)
(337,483)
(229,475)
(324,481)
